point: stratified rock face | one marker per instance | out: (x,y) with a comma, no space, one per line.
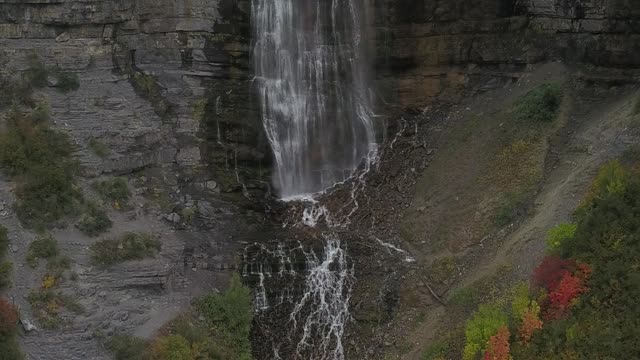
(162,82)
(425,47)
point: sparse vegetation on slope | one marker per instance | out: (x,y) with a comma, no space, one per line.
(130,246)
(217,328)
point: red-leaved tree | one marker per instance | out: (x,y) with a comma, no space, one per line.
(570,286)
(8,317)
(551,271)
(498,346)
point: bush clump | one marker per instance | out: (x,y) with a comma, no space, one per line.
(131,246)
(40,158)
(44,247)
(94,221)
(37,73)
(9,348)
(67,82)
(115,190)
(540,104)
(229,317)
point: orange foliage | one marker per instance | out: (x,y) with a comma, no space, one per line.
(530,323)
(8,317)
(498,347)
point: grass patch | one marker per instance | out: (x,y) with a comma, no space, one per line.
(130,246)
(513,205)
(465,297)
(48,306)
(99,148)
(518,165)
(442,269)
(115,191)
(94,221)
(540,104)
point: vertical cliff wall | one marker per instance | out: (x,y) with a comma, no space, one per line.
(433,48)
(161,82)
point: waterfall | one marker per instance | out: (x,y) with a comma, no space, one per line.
(311,73)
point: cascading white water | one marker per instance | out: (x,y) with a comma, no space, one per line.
(311,72)
(323,311)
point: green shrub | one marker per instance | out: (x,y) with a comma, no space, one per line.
(127,347)
(37,72)
(229,315)
(44,247)
(130,246)
(150,90)
(15,92)
(57,265)
(10,348)
(558,234)
(435,351)
(173,347)
(100,149)
(67,82)
(94,221)
(465,297)
(483,325)
(540,104)
(40,113)
(113,190)
(5,274)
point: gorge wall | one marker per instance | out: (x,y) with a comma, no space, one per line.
(432,48)
(170,81)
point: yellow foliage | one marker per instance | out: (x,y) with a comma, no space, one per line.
(48,282)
